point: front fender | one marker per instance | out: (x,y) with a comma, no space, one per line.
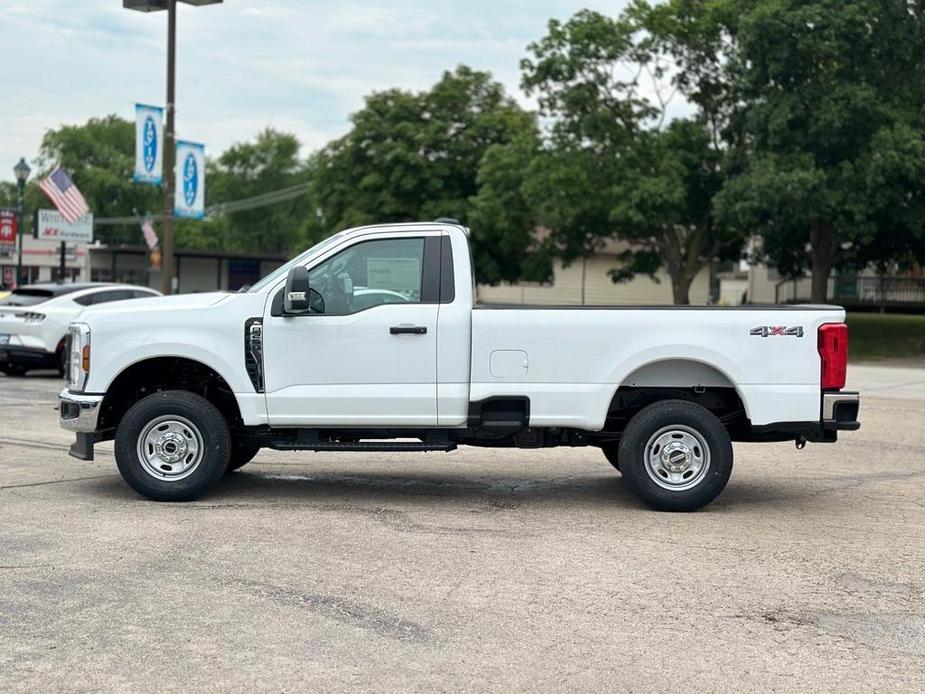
(109,359)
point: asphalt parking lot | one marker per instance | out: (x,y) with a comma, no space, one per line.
(478,570)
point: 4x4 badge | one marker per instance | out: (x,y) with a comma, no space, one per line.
(771,330)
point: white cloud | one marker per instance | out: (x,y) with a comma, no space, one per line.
(297,65)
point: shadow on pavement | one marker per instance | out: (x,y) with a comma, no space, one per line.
(280,487)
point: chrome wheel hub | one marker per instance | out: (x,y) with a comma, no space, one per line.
(677,458)
(170,448)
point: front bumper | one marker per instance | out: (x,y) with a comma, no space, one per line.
(79,413)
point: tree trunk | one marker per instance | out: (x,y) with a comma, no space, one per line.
(681,288)
(682,250)
(823,251)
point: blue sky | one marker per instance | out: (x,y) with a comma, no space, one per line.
(297,65)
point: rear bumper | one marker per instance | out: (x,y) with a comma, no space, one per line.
(33,357)
(839,412)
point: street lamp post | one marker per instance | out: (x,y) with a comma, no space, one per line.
(22,172)
(168,265)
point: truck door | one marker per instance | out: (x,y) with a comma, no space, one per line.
(367,353)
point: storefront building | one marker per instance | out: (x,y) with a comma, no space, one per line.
(197,271)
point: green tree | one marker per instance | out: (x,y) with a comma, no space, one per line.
(507,241)
(100,156)
(833,154)
(415,156)
(254,170)
(616,164)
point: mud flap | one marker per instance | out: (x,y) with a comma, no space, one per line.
(82,448)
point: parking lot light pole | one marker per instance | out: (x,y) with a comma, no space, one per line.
(168,265)
(22,172)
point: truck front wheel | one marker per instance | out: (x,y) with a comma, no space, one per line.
(676,455)
(241,454)
(172,446)
(612,453)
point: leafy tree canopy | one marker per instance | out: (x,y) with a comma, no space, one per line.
(832,159)
(100,154)
(247,170)
(415,156)
(615,164)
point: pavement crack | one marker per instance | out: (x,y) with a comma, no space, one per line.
(47,482)
(41,445)
(340,609)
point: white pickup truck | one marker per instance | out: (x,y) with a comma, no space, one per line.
(371,341)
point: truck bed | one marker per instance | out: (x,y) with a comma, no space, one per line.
(570,360)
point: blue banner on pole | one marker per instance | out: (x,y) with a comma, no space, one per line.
(149,144)
(190,191)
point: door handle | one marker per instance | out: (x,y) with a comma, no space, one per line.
(408,330)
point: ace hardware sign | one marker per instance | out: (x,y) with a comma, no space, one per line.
(8,228)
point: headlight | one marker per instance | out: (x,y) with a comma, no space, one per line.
(78,365)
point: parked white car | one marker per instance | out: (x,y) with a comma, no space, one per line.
(34,320)
(371,341)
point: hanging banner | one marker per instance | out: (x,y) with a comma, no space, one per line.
(190,191)
(8,227)
(149,139)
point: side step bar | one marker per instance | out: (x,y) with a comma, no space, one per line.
(368,446)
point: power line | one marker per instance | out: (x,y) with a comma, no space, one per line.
(222,208)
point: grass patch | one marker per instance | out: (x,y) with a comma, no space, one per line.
(874,336)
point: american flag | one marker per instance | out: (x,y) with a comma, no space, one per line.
(147,229)
(61,190)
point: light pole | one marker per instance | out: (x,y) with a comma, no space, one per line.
(22,172)
(168,265)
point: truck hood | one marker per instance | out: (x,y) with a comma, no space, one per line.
(139,307)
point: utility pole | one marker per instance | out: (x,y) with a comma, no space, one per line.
(62,268)
(170,151)
(168,265)
(22,172)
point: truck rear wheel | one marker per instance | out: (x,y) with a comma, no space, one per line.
(676,455)
(172,446)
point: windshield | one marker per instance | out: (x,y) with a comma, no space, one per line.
(27,297)
(298,260)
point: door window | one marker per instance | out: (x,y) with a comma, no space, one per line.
(368,274)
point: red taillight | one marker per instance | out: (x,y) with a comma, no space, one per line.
(833,350)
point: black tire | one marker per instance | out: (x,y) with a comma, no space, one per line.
(61,356)
(669,424)
(612,453)
(241,454)
(208,433)
(13,370)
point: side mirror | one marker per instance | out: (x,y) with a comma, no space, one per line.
(296,295)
